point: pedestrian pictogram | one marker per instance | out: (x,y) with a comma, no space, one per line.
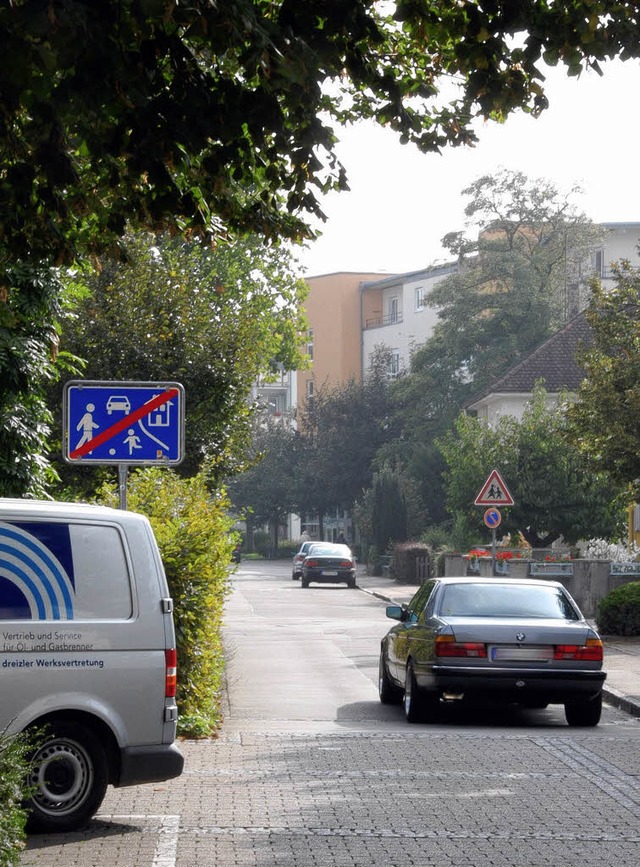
(494,492)
(123,422)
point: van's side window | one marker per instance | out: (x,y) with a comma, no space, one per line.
(58,571)
(105,590)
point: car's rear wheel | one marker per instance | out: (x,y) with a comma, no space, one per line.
(584,712)
(68,776)
(389,692)
(419,705)
(351,582)
(304,582)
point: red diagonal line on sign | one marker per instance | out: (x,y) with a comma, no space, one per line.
(119,426)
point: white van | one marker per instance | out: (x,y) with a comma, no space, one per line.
(87,654)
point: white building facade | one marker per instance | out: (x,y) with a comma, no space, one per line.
(395,315)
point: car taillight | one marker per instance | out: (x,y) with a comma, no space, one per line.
(171,673)
(346,564)
(446,645)
(591,651)
(311,563)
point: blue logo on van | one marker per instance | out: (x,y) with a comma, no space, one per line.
(36,572)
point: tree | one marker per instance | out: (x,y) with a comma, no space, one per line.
(391,509)
(266,492)
(29,363)
(342,429)
(204,115)
(201,117)
(214,320)
(388,510)
(555,492)
(506,298)
(605,419)
(511,291)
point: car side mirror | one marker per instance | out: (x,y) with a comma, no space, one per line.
(396,612)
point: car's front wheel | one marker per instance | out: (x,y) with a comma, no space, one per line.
(584,712)
(68,778)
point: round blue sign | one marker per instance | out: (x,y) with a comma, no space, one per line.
(492,518)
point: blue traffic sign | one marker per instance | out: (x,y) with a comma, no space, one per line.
(123,422)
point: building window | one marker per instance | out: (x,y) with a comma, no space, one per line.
(393,309)
(420,297)
(310,343)
(393,364)
(309,388)
(598,263)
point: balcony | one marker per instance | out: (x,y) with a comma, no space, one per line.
(383,321)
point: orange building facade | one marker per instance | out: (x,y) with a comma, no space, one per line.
(334,309)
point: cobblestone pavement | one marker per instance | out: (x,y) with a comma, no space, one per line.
(359,787)
(375,798)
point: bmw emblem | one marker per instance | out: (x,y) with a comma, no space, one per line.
(520,636)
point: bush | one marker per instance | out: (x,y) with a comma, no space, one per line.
(288,547)
(619,611)
(261,542)
(13,817)
(194,533)
(405,562)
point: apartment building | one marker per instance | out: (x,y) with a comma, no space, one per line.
(395,315)
(351,314)
(335,334)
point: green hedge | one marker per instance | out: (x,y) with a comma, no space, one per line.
(13,773)
(619,611)
(404,556)
(194,533)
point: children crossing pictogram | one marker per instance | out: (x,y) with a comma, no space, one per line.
(494,492)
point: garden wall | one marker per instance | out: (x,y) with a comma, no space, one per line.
(587,581)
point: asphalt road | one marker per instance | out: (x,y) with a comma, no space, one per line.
(310,769)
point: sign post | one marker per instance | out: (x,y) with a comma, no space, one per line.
(493,493)
(123,423)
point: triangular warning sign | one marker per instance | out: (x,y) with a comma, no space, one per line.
(494,492)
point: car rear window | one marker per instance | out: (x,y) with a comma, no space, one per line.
(330,550)
(502,600)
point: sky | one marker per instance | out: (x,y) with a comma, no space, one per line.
(402,203)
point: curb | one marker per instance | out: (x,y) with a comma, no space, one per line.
(620,700)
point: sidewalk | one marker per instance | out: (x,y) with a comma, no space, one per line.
(621,655)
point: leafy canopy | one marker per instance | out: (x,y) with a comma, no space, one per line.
(517,281)
(504,300)
(605,419)
(554,490)
(214,320)
(206,115)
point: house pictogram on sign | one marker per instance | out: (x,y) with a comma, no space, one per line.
(494,492)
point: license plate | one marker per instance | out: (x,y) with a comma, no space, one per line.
(516,653)
(329,572)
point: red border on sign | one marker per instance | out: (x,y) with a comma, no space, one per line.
(119,426)
(489,511)
(483,498)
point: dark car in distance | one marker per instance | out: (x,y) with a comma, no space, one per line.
(503,640)
(327,563)
(298,559)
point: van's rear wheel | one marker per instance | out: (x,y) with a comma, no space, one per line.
(68,778)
